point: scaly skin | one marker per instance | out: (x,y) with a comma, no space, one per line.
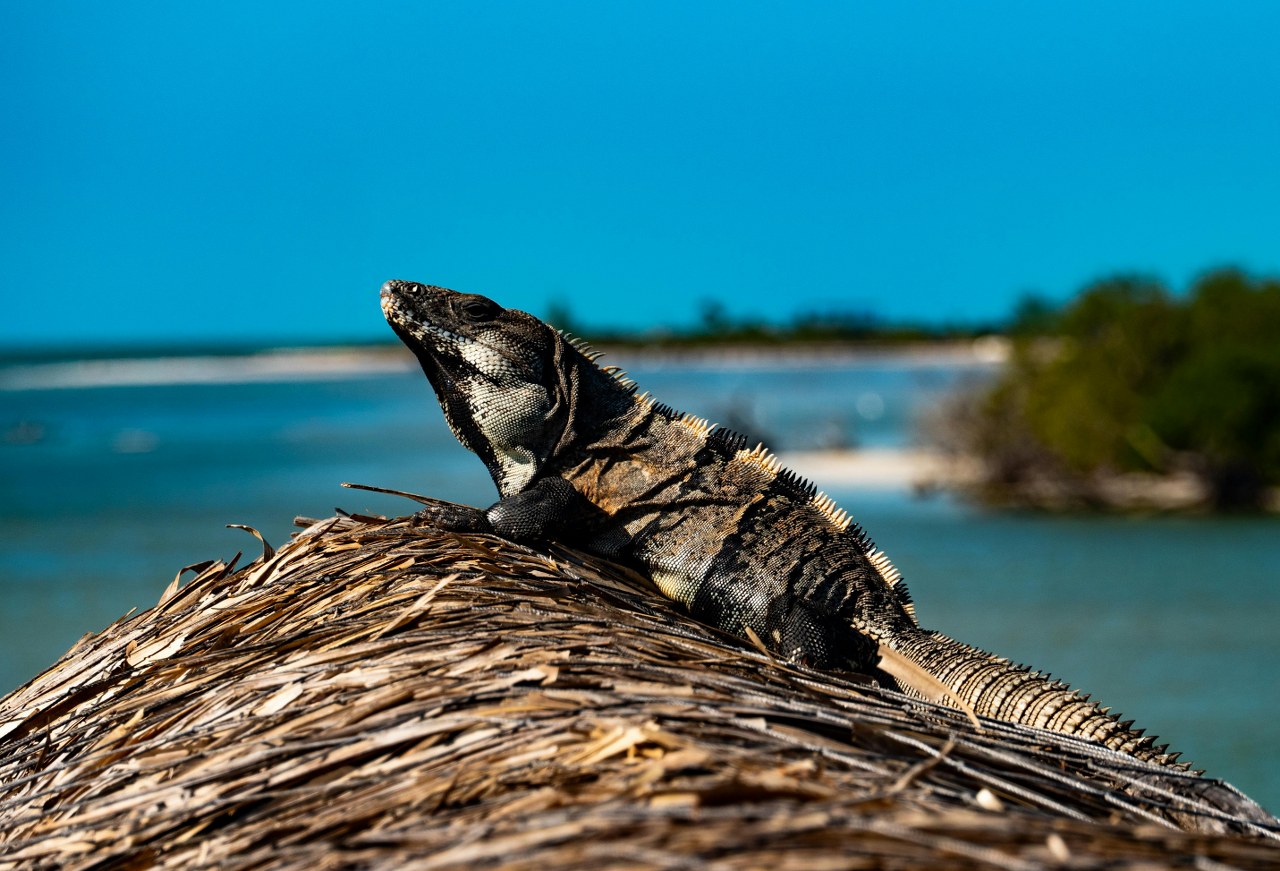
(744,544)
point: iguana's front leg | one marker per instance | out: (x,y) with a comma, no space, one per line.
(551,508)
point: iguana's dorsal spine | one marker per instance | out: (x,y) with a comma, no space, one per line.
(746,544)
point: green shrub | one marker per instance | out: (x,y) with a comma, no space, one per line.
(1128,377)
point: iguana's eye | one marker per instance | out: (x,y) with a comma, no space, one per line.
(479,309)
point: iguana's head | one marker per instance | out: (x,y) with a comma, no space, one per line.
(497,373)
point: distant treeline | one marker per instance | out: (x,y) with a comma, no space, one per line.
(716,326)
(1131,378)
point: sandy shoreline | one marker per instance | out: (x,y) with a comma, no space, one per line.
(269,366)
(879,468)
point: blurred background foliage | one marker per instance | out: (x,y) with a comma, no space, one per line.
(1129,378)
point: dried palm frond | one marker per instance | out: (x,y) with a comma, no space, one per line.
(379,694)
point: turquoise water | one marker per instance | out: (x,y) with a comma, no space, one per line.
(105,492)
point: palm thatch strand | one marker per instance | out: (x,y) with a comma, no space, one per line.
(375,694)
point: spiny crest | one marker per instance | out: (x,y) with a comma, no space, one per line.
(861,537)
(732,441)
(648,403)
(833,512)
(700,425)
(619,376)
(804,488)
(904,598)
(880,562)
(585,349)
(762,457)
(580,345)
(662,409)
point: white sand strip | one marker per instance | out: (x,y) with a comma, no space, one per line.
(878,468)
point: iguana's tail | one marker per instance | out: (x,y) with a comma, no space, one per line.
(944,670)
(988,685)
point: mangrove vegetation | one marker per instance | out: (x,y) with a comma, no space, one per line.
(1131,394)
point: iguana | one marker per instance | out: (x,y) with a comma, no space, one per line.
(720,526)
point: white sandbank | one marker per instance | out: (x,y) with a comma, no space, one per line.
(879,468)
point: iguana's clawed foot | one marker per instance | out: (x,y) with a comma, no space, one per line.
(453,517)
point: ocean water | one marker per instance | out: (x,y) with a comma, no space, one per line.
(112,478)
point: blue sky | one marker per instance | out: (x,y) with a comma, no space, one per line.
(253,171)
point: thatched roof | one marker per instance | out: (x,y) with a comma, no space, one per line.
(375,694)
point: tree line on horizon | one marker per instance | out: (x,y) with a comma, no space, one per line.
(716,326)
